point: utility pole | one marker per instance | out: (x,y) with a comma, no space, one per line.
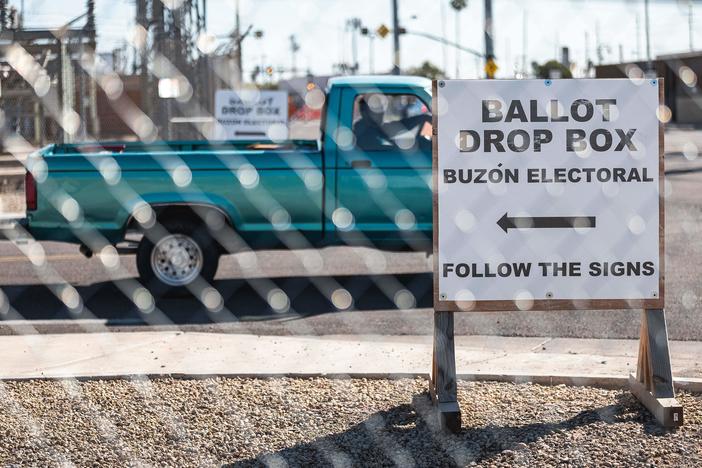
(90,20)
(294,47)
(143,52)
(457,28)
(444,51)
(490,66)
(690,21)
(371,48)
(638,36)
(598,44)
(588,62)
(3,14)
(508,55)
(649,65)
(159,110)
(395,40)
(91,116)
(371,54)
(457,6)
(238,73)
(524,44)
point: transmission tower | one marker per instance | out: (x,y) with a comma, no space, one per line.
(172,34)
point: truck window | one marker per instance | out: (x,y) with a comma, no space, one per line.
(385,122)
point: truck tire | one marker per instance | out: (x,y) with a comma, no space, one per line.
(176,257)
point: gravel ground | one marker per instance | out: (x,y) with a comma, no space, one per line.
(320,422)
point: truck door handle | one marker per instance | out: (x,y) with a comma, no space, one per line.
(361,164)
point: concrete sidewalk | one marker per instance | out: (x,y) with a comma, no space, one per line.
(201,354)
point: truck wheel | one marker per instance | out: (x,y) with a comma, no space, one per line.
(171,261)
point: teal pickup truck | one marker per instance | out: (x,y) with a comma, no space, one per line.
(366,181)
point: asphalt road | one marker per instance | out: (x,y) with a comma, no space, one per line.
(356,290)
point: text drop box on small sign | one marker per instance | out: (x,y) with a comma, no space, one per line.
(548,190)
(250,114)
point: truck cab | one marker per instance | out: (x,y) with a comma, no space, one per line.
(377,147)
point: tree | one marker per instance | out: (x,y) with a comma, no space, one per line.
(544,71)
(458,5)
(427,70)
(272,86)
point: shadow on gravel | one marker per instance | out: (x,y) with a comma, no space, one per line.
(242,299)
(408,435)
(685,170)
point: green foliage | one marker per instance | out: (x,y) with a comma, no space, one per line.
(270,86)
(458,5)
(544,71)
(265,85)
(427,70)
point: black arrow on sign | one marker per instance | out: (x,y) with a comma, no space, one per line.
(547,222)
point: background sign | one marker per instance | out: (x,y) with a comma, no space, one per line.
(547,194)
(252,114)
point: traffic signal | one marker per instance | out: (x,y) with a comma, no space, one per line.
(490,67)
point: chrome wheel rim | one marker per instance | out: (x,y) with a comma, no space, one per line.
(176,260)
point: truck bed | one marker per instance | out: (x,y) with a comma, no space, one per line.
(247,180)
(119,147)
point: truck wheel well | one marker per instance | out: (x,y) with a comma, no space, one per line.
(213,217)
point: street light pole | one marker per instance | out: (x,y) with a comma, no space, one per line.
(355,25)
(395,40)
(457,31)
(444,41)
(371,56)
(489,52)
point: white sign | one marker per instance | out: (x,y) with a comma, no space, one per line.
(547,194)
(250,114)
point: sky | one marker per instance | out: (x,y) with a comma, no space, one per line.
(320,29)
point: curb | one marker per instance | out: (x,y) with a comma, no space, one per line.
(609,382)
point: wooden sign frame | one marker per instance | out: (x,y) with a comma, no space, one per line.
(547,304)
(653,383)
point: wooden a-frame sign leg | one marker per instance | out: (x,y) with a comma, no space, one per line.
(442,385)
(653,384)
